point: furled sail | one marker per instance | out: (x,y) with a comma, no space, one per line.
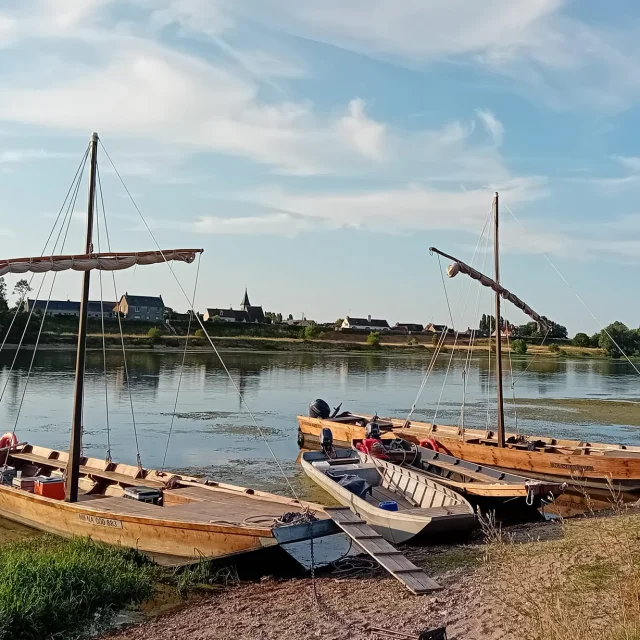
(100,261)
(461,267)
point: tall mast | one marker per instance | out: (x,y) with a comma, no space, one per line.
(496,254)
(73,466)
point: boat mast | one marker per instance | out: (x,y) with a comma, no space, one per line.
(496,255)
(73,465)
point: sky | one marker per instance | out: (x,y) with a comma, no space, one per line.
(316,150)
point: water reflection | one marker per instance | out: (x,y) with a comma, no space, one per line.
(214,432)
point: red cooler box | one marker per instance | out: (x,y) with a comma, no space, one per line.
(49,488)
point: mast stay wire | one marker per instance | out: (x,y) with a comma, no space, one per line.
(104,346)
(455,342)
(197,317)
(184,356)
(472,340)
(575,293)
(53,228)
(115,294)
(66,220)
(44,315)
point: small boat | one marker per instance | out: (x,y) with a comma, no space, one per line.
(179,519)
(397,502)
(511,496)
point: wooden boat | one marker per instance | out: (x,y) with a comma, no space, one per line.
(424,507)
(510,496)
(587,465)
(194,519)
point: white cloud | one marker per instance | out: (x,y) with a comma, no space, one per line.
(493,126)
(279,224)
(365,134)
(15,156)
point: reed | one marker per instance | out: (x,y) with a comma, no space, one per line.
(50,587)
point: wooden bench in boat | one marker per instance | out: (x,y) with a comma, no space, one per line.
(454,468)
(112,476)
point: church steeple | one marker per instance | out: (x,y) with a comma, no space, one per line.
(245,304)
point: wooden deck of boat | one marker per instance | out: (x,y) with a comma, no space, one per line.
(207,507)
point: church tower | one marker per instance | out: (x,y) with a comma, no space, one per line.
(245,304)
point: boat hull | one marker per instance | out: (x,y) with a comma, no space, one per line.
(396,526)
(588,469)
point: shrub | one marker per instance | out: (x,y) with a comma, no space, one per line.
(311,332)
(519,346)
(554,348)
(154,334)
(412,341)
(581,340)
(199,333)
(373,339)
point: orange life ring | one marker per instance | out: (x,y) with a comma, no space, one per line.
(8,440)
(430,443)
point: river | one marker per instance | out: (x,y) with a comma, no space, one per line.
(213,434)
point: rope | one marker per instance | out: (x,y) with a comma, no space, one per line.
(67,220)
(446,295)
(26,293)
(223,364)
(575,293)
(104,347)
(513,389)
(44,316)
(455,341)
(184,355)
(124,351)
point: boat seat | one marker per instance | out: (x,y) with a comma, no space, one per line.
(452,509)
(112,476)
(456,468)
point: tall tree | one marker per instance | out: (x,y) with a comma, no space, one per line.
(21,289)
(4,305)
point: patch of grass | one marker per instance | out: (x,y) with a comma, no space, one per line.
(594,576)
(50,587)
(204,576)
(455,558)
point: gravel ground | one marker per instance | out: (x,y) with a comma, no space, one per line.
(346,608)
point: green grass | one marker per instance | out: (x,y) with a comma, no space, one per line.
(50,587)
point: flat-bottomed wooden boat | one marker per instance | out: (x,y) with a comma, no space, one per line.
(424,507)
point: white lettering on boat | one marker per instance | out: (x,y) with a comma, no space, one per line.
(571,467)
(101,522)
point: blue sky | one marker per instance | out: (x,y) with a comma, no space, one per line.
(316,150)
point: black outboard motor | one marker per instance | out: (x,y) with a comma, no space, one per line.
(319,409)
(372,430)
(326,440)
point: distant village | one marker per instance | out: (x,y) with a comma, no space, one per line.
(152,309)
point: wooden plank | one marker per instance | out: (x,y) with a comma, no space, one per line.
(382,552)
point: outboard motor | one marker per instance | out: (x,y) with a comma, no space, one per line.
(372,430)
(319,409)
(326,440)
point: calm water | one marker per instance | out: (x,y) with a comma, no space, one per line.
(212,433)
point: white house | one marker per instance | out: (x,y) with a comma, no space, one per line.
(365,324)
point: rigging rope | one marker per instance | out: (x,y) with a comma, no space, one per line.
(104,346)
(575,293)
(26,291)
(66,220)
(455,341)
(44,315)
(184,355)
(513,388)
(197,317)
(446,295)
(115,293)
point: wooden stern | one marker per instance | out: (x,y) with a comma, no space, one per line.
(387,556)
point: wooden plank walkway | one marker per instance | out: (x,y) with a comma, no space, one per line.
(401,568)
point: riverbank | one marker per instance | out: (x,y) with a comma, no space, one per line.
(168,342)
(547,581)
